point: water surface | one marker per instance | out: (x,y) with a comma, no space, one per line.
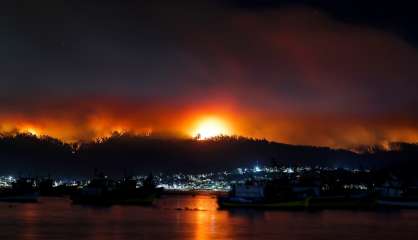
(188,217)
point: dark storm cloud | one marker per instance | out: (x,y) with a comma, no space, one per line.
(275,62)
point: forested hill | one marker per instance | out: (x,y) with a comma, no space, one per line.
(25,154)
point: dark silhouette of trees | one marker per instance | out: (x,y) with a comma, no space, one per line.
(28,154)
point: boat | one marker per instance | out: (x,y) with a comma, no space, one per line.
(96,192)
(252,195)
(21,191)
(225,202)
(342,202)
(126,192)
(398,202)
(103,191)
(281,194)
(394,195)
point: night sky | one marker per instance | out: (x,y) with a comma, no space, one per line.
(333,73)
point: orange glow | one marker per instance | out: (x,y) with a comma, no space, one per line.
(33,131)
(208,222)
(205,121)
(210,127)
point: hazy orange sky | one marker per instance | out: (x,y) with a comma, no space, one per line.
(89,120)
(292,74)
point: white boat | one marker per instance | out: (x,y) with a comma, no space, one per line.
(398,203)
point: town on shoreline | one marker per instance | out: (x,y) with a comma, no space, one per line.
(267,187)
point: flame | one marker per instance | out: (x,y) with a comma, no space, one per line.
(33,131)
(203,122)
(210,127)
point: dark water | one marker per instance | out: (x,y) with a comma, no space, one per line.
(187,217)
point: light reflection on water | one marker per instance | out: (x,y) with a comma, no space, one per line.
(187,217)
